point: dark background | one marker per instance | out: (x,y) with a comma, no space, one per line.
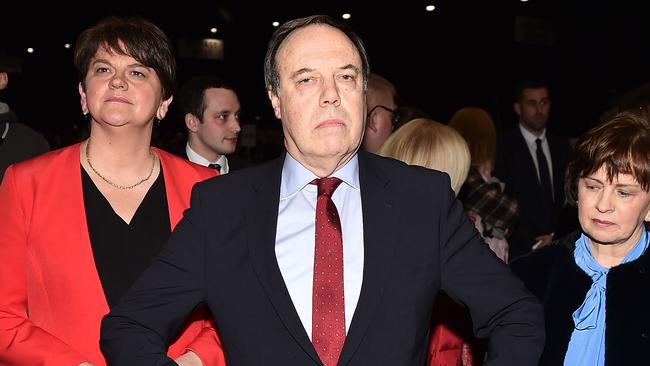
(463,53)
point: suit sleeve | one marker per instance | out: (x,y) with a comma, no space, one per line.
(500,306)
(138,329)
(21,341)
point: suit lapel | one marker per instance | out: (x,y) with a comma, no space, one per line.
(175,201)
(378,241)
(557,158)
(528,167)
(261,216)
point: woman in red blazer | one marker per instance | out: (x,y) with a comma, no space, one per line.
(78,224)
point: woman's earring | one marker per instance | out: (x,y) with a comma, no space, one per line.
(156,121)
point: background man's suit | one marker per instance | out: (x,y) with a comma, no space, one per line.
(416,240)
(516,168)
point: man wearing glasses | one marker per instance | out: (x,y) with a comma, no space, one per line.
(382,117)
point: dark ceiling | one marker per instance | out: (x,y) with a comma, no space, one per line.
(463,53)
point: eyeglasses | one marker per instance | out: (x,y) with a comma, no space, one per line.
(395,116)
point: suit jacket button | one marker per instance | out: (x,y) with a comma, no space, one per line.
(642,270)
(644,335)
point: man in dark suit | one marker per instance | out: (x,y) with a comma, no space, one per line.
(531,162)
(342,271)
(211,112)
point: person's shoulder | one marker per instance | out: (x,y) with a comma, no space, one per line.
(237,162)
(411,180)
(51,157)
(23,128)
(7,116)
(28,136)
(394,168)
(256,175)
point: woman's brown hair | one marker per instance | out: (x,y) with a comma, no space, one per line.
(621,145)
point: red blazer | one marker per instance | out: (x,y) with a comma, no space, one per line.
(445,344)
(51,298)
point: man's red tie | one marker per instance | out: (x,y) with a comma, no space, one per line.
(328,301)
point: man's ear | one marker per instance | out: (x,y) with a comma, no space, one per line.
(275,102)
(371,123)
(192,122)
(517,107)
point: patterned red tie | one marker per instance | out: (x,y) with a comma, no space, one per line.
(328,305)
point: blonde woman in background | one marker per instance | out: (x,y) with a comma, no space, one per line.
(432,145)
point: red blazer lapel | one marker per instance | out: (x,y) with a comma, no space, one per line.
(178,176)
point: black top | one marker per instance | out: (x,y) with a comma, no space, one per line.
(122,251)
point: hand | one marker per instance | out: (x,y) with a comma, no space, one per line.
(543,240)
(189,358)
(499,247)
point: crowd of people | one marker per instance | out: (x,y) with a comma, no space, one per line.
(378,237)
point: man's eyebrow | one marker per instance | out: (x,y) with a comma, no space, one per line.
(304,70)
(350,67)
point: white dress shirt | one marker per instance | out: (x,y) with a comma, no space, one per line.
(532,148)
(296,235)
(194,157)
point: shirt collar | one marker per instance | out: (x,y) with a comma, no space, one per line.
(196,158)
(295,176)
(530,138)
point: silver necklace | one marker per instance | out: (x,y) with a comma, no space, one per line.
(118,186)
